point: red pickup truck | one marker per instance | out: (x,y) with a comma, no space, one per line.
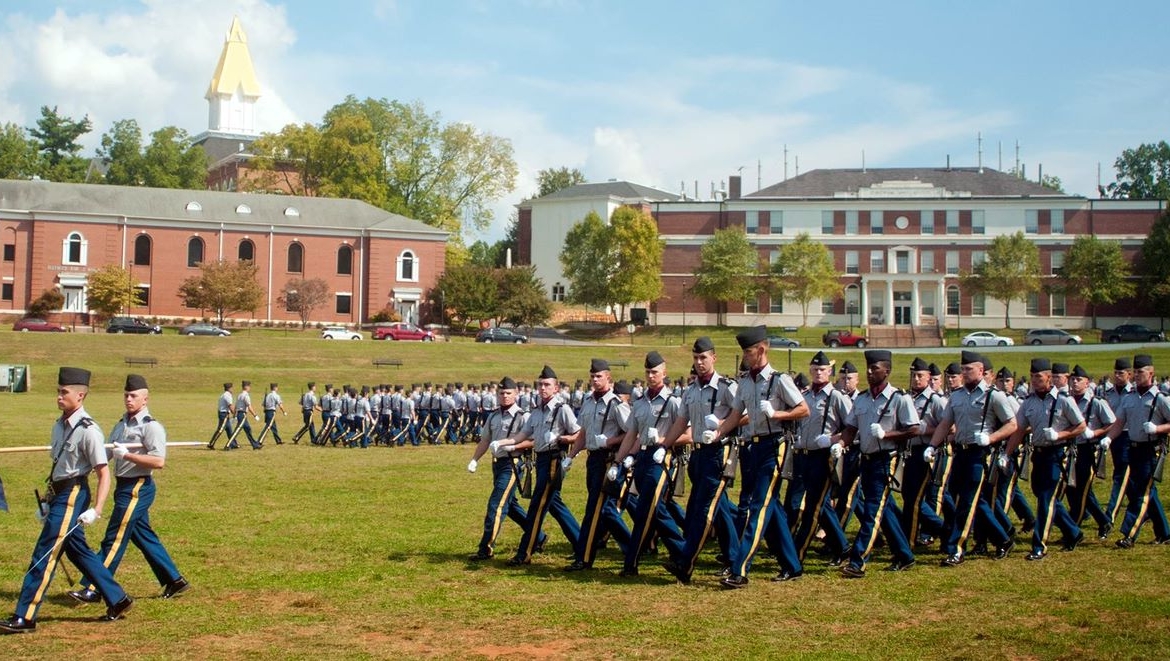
(843,338)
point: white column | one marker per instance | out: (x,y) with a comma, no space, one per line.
(863,303)
(915,311)
(888,313)
(940,304)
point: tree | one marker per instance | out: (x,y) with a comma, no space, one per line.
(302,296)
(49,300)
(1155,264)
(481,253)
(1143,173)
(470,292)
(223,287)
(804,272)
(1096,272)
(637,274)
(522,298)
(1010,272)
(587,261)
(110,290)
(552,180)
(121,153)
(18,154)
(287,161)
(171,161)
(727,269)
(56,140)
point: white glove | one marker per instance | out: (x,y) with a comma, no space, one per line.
(659,455)
(566,464)
(823,441)
(1002,462)
(550,437)
(766,408)
(120,451)
(612,474)
(875,430)
(472,465)
(1150,428)
(601,440)
(257,418)
(1049,434)
(42,512)
(836,450)
(87,517)
(494,446)
(1105,441)
(628,462)
(707,437)
(711,422)
(928,454)
(652,434)
(1087,434)
(982,439)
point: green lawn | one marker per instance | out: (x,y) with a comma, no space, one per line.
(305,552)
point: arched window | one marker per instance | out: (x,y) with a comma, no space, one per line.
(194,252)
(246,251)
(406,266)
(344,260)
(73,249)
(142,250)
(296,258)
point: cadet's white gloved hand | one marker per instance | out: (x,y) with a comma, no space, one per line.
(708,436)
(120,451)
(928,454)
(494,446)
(836,450)
(766,408)
(628,462)
(1002,462)
(257,418)
(875,430)
(1105,441)
(550,437)
(600,439)
(711,422)
(566,464)
(87,517)
(982,439)
(42,512)
(612,474)
(1150,428)
(823,441)
(659,455)
(1049,434)
(472,465)
(652,434)
(1088,433)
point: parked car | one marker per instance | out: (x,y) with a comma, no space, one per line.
(33,324)
(986,339)
(339,333)
(121,325)
(843,338)
(1132,333)
(1050,336)
(403,331)
(775,341)
(204,329)
(490,335)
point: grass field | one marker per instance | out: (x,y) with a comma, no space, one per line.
(306,552)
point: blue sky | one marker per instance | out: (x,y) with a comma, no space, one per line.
(661,93)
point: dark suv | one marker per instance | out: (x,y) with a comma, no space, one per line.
(1132,333)
(131,325)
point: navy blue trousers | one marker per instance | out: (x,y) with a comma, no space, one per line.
(130,523)
(546,499)
(601,512)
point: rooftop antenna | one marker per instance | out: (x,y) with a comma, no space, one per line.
(759,174)
(1019,170)
(863,160)
(697,190)
(948,162)
(979,139)
(785,162)
(796,163)
(1000,148)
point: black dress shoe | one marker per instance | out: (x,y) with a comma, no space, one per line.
(787,575)
(1162,540)
(723,572)
(118,610)
(577,565)
(924,540)
(628,572)
(1003,550)
(1125,543)
(1035,556)
(839,560)
(1071,545)
(539,548)
(1103,531)
(16,624)
(1028,527)
(853,571)
(734,582)
(980,549)
(953,560)
(176,588)
(86,596)
(677,571)
(722,559)
(518,561)
(479,556)
(900,565)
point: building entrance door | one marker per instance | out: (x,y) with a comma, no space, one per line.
(902,315)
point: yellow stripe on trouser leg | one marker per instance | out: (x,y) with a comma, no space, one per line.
(124,524)
(54,557)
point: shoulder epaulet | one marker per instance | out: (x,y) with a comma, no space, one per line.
(86,422)
(726,380)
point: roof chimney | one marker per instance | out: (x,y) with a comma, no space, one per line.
(733,187)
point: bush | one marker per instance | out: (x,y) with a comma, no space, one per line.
(49,300)
(385,315)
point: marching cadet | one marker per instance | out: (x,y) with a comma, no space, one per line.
(1060,374)
(134,494)
(502,503)
(78,449)
(919,518)
(807,499)
(979,416)
(548,428)
(226,409)
(244,410)
(774,405)
(1145,414)
(364,418)
(326,415)
(706,403)
(309,404)
(1007,480)
(1118,445)
(604,420)
(652,416)
(409,420)
(845,495)
(936,380)
(883,417)
(488,402)
(1055,421)
(272,402)
(1098,418)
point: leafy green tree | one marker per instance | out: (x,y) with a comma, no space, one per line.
(121,152)
(587,261)
(171,161)
(481,253)
(471,292)
(223,287)
(637,249)
(110,290)
(289,160)
(302,296)
(1155,263)
(728,269)
(522,298)
(804,272)
(51,299)
(1096,272)
(56,140)
(18,154)
(1010,272)
(552,180)
(1143,173)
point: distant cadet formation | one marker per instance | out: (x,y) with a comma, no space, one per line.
(955,445)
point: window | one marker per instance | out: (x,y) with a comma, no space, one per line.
(10,252)
(776,222)
(827,306)
(344,260)
(877,261)
(978,257)
(142,250)
(902,261)
(406,266)
(73,249)
(6,291)
(194,252)
(296,258)
(1031,221)
(926,259)
(876,219)
(1057,261)
(927,302)
(558,293)
(1058,308)
(952,222)
(851,222)
(776,305)
(751,306)
(927,221)
(952,262)
(826,222)
(752,222)
(243,209)
(773,256)
(978,304)
(343,303)
(143,294)
(978,223)
(246,252)
(851,261)
(194,206)
(1057,221)
(1033,304)
(953,301)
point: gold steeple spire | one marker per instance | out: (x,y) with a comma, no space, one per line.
(234,71)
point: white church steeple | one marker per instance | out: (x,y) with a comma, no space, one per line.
(233,92)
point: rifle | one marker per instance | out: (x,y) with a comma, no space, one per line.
(895,478)
(1070,466)
(678,485)
(1160,467)
(45,511)
(732,464)
(1024,472)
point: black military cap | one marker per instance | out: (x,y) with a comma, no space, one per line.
(365,390)
(413,386)
(1142,360)
(877,355)
(426,384)
(934,370)
(244,384)
(1060,368)
(72,376)
(953,369)
(987,366)
(1004,373)
(1041,365)
(1080,371)
(801,381)
(654,359)
(919,365)
(227,386)
(135,382)
(622,387)
(820,360)
(312,384)
(848,368)
(272,386)
(970,357)
(507,383)
(458,384)
(1122,364)
(598,365)
(547,373)
(703,344)
(329,386)
(751,336)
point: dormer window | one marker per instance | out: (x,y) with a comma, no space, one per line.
(194,206)
(243,209)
